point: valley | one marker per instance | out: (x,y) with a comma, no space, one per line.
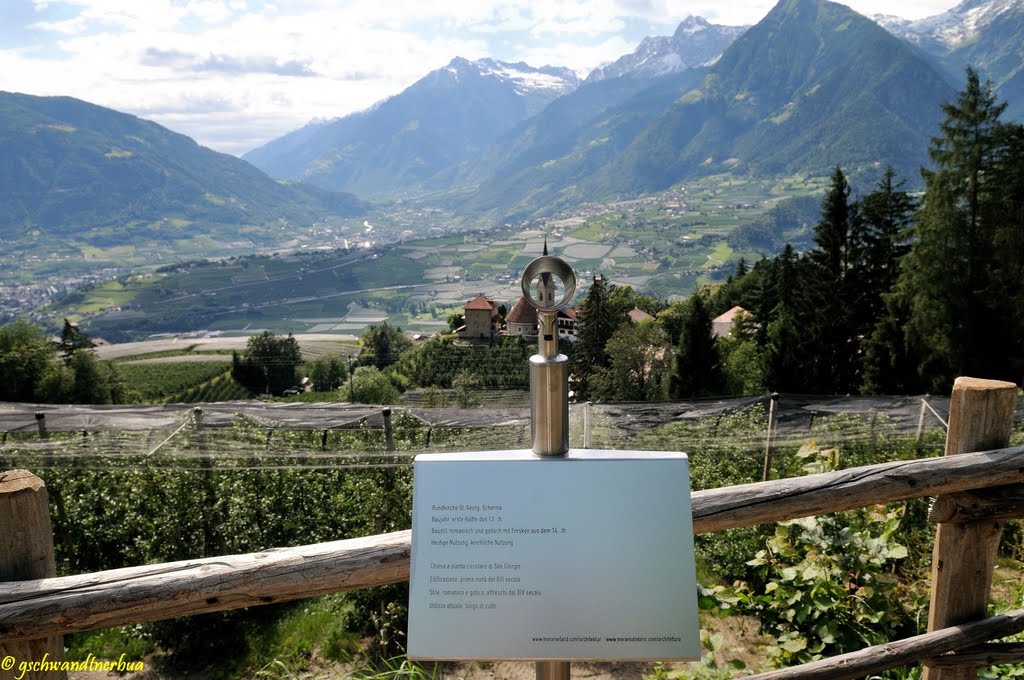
(663,245)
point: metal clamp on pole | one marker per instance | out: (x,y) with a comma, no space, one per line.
(549,380)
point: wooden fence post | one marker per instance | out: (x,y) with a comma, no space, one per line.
(980,418)
(26,553)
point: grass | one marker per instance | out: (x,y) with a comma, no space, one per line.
(318,627)
(109,643)
(110,293)
(186,352)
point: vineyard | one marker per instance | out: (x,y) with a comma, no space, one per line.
(155,381)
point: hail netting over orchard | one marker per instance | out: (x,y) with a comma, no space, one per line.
(326,435)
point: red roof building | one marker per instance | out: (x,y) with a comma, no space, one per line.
(481,318)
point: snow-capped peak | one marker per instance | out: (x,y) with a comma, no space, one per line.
(954,27)
(696,42)
(692,24)
(525,78)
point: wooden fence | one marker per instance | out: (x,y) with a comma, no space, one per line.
(977,485)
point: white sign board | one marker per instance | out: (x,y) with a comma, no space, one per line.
(587,556)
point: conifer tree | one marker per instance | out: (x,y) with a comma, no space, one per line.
(947,277)
(784,327)
(697,369)
(1006,287)
(597,321)
(887,213)
(888,367)
(835,290)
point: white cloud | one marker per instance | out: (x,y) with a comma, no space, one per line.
(580,58)
(234,74)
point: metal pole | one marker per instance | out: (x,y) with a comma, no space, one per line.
(41,424)
(351,385)
(553,670)
(389,440)
(767,473)
(588,420)
(549,391)
(920,423)
(936,414)
(549,384)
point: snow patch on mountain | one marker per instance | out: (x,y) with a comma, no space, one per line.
(696,42)
(954,27)
(526,79)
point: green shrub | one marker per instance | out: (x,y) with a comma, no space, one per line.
(830,586)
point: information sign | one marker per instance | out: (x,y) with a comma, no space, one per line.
(584,556)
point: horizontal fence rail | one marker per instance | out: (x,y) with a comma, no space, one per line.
(46,607)
(778,500)
(876,659)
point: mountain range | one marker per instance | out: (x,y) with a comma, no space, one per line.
(984,34)
(443,119)
(811,86)
(695,43)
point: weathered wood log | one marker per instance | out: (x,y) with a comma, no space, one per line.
(744,505)
(154,592)
(1003,502)
(980,416)
(991,654)
(902,652)
(161,591)
(26,552)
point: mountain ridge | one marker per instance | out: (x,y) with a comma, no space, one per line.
(811,86)
(696,42)
(67,166)
(440,120)
(987,35)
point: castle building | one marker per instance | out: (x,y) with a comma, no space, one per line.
(480,318)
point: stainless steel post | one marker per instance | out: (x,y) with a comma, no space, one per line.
(549,391)
(549,381)
(549,370)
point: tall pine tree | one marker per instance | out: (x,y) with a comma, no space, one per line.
(597,319)
(784,326)
(1006,287)
(836,292)
(697,370)
(888,213)
(947,281)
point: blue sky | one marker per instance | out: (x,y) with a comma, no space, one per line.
(234,74)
